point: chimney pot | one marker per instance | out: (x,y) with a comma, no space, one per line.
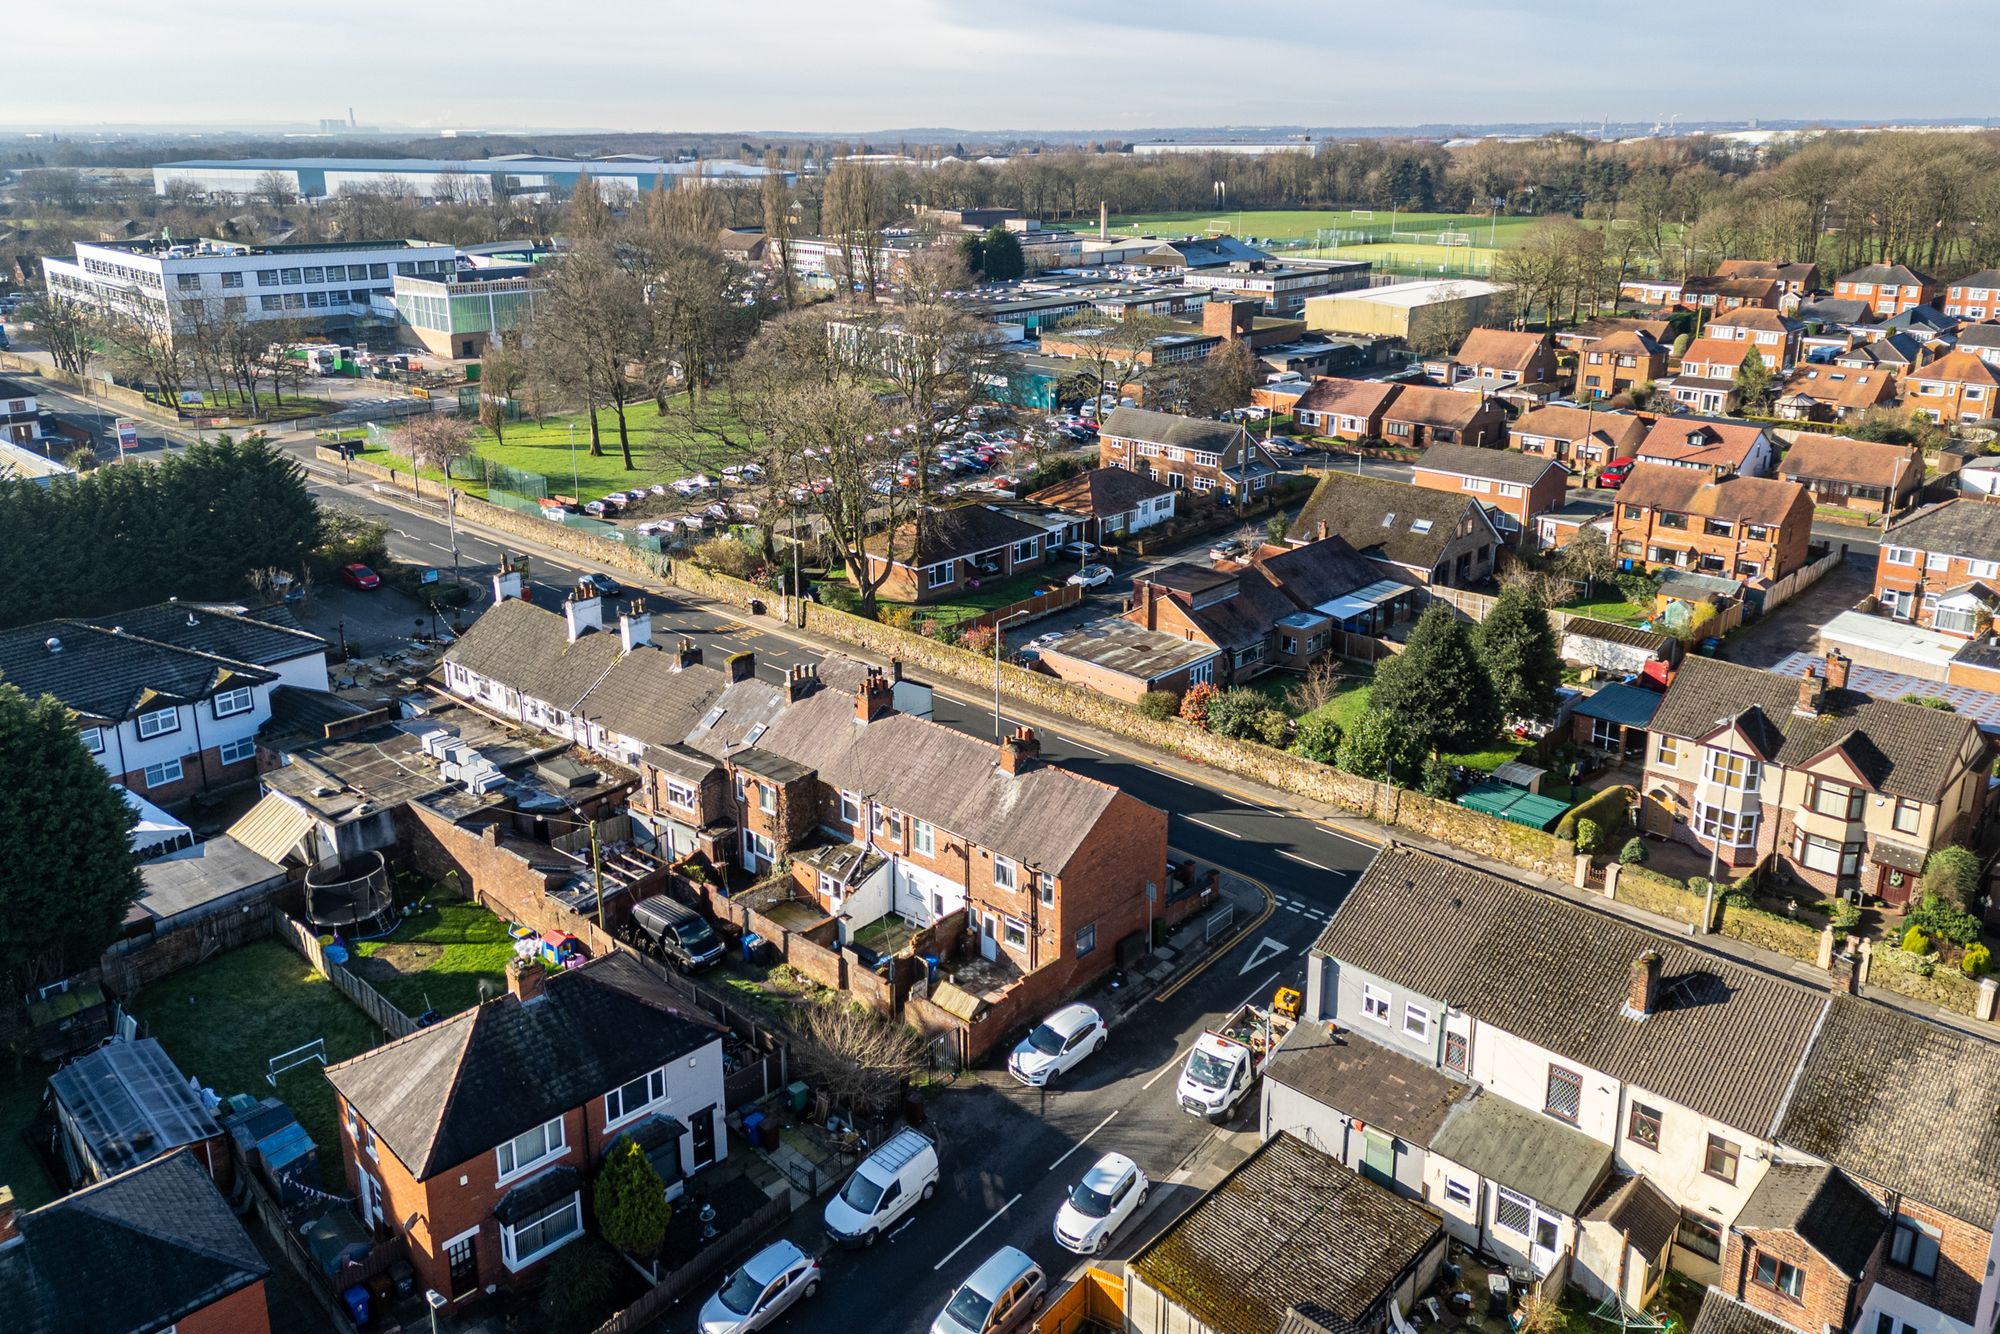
(688,653)
(876,699)
(1837,664)
(742,666)
(1810,692)
(635,626)
(1644,996)
(1019,752)
(526,979)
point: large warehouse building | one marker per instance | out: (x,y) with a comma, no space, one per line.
(1388,311)
(324,177)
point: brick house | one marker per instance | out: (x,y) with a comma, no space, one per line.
(1719,447)
(1423,415)
(1754,528)
(1582,438)
(1776,338)
(1806,1246)
(1794,279)
(476,1139)
(1503,357)
(1855,474)
(1974,297)
(1345,409)
(156,1248)
(1426,537)
(1114,502)
(1888,289)
(1706,382)
(1721,294)
(1847,792)
(1619,362)
(1957,387)
(1186,453)
(1940,567)
(1833,393)
(944,552)
(169,698)
(1898,351)
(1515,487)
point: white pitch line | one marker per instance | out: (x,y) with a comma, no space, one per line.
(1226,833)
(975,1232)
(1303,861)
(1080,1143)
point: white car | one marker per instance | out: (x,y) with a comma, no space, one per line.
(764,1286)
(1104,1201)
(1057,1045)
(1091,576)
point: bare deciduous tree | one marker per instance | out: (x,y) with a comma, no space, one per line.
(434,440)
(861,1061)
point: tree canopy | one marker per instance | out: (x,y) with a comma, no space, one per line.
(1518,646)
(1437,689)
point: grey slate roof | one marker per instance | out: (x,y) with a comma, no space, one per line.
(1168,428)
(130,1255)
(1376,517)
(1724,1041)
(1722,1314)
(1366,1080)
(1837,310)
(1639,1208)
(1289,1229)
(1969,528)
(1539,1156)
(107,676)
(1822,1207)
(1500,465)
(1904,750)
(954,532)
(1613,633)
(264,637)
(1904,1104)
(455,1090)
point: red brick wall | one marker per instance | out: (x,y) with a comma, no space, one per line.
(1822,1303)
(200,771)
(1105,884)
(244,1311)
(1962,1251)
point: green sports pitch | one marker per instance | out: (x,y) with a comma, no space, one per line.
(1338,226)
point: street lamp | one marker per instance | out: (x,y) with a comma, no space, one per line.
(575,486)
(1000,638)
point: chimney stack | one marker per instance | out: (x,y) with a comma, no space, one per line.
(876,699)
(1019,752)
(1837,664)
(687,654)
(800,682)
(507,583)
(583,609)
(1811,693)
(741,666)
(526,979)
(635,625)
(1644,996)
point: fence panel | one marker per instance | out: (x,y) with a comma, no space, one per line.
(1798,581)
(372,1002)
(711,1258)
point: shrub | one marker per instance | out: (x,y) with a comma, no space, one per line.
(631,1201)
(1633,853)
(1437,781)
(1915,941)
(1194,704)
(979,639)
(1922,963)
(839,595)
(1976,960)
(1940,921)
(1318,739)
(578,1293)
(1843,917)
(1234,713)
(1952,874)
(727,556)
(1381,748)
(1589,835)
(1274,728)
(1159,705)
(899,618)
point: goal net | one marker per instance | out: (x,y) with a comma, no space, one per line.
(1218,227)
(1365,214)
(1454,238)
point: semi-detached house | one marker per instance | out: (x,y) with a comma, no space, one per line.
(1754,528)
(1186,453)
(1516,488)
(1939,566)
(1580,1094)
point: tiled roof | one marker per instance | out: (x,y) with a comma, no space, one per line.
(1565,423)
(1289,1229)
(1167,428)
(1904,1104)
(457,1089)
(1731,352)
(1752,317)
(1748,289)
(1502,349)
(1315,572)
(1641,1209)
(1904,750)
(1822,1208)
(1637,342)
(1837,310)
(1988,278)
(133,1254)
(263,637)
(1836,458)
(1723,1042)
(1703,440)
(1433,405)
(1347,398)
(952,533)
(1367,1081)
(1846,388)
(1900,274)
(1968,528)
(108,674)
(1722,1314)
(1955,368)
(1759,500)
(1376,515)
(1101,492)
(1500,465)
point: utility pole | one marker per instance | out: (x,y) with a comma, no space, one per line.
(596,873)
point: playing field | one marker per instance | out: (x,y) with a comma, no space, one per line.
(1383,225)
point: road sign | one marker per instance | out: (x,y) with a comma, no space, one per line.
(128,436)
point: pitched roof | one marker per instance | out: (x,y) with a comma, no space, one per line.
(1502,349)
(1846,388)
(1722,1314)
(1723,1042)
(1433,405)
(1704,441)
(1904,750)
(1641,1209)
(1956,367)
(1638,342)
(1334,396)
(1752,317)
(1366,1080)
(1314,572)
(1288,1229)
(1760,500)
(1101,492)
(1985,334)
(264,636)
(1897,350)
(1169,428)
(1603,326)
(1837,310)
(1500,465)
(1731,352)
(132,1254)
(1902,275)
(1962,527)
(1393,521)
(953,533)
(1748,289)
(1040,817)
(1836,458)
(1983,278)
(107,673)
(1568,423)
(457,1089)
(1904,1104)
(1557,1165)
(1822,1208)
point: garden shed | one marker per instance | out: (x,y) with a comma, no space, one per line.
(1514,805)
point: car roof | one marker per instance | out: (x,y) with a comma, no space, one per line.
(1070,1018)
(999,1272)
(772,1261)
(1108,1171)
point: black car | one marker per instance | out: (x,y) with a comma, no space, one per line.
(675,932)
(605,585)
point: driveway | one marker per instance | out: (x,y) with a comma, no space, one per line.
(1796,625)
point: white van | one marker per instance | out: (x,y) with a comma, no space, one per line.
(886,1186)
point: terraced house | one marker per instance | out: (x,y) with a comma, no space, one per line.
(1847,792)
(1583,1095)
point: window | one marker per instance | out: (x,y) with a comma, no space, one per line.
(679,794)
(240,700)
(1909,814)
(1005,874)
(1835,799)
(530,1148)
(1086,940)
(888,824)
(1375,1003)
(1701,1235)
(1025,550)
(1736,829)
(267,277)
(1015,933)
(628,1100)
(1458,1192)
(1983,569)
(767,798)
(1643,1127)
(239,750)
(941,574)
(1417,1022)
(1937,560)
(1512,1212)
(1720,1159)
(742,788)
(1823,854)
(1045,888)
(1670,750)
(93,739)
(523,1243)
(1914,1247)
(1669,520)
(1769,1271)
(1899,555)
(188,282)
(923,838)
(232,280)
(850,808)
(1455,1051)
(1727,769)
(158,723)
(159,775)
(1565,1094)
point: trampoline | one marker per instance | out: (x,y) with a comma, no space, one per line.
(351,897)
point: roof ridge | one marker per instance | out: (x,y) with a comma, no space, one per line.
(120,635)
(88,1200)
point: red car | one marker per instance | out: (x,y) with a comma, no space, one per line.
(1614,474)
(359,576)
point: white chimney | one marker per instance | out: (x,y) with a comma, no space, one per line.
(635,626)
(506,584)
(584,610)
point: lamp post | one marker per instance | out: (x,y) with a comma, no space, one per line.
(575,486)
(999,639)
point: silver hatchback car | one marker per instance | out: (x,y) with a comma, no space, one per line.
(1001,1296)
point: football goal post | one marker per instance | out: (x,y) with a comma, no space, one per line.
(311,1052)
(1218,227)
(1365,214)
(1454,238)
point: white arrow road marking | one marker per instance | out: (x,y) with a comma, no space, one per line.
(1267,948)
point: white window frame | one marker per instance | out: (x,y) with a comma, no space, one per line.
(850,809)
(923,837)
(1501,1195)
(1733,829)
(1416,1021)
(1006,874)
(1670,750)
(236,751)
(92,739)
(522,1168)
(1899,555)
(163,773)
(616,1110)
(1375,1003)
(149,723)
(515,1261)
(240,700)
(1732,770)
(941,575)
(1457,1192)
(680,794)
(767,798)
(1011,927)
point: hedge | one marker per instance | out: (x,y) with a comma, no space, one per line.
(1945,987)
(1660,894)
(1609,808)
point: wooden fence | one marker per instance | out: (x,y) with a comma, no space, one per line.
(710,1258)
(1068,595)
(372,1002)
(271,1216)
(1798,581)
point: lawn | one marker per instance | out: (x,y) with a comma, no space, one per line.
(447,956)
(235,405)
(1348,707)
(223,1021)
(1608,604)
(991,593)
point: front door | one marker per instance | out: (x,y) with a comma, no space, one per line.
(989,944)
(702,1124)
(463,1258)
(1543,1252)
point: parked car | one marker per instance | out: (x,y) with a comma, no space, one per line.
(1091,576)
(674,932)
(1107,1197)
(1057,1045)
(889,1183)
(756,1292)
(1227,549)
(605,585)
(1613,475)
(1076,550)
(1002,1295)
(359,576)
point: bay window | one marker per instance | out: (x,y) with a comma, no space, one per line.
(524,1242)
(1733,829)
(1739,773)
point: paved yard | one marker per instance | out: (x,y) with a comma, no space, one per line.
(1796,625)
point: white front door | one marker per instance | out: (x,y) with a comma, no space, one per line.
(989,945)
(1543,1250)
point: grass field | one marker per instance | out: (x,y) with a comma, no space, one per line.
(439,958)
(1608,604)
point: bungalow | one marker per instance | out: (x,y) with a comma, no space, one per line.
(1423,415)
(1833,393)
(1722,448)
(1718,293)
(1582,438)
(1430,537)
(1855,474)
(1957,387)
(1515,487)
(1125,660)
(1114,503)
(1794,279)
(1346,409)
(1186,453)
(944,552)
(1618,363)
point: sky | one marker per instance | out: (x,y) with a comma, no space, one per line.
(850,66)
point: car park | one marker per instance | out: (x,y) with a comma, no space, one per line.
(1091,576)
(760,1289)
(888,1184)
(1100,1204)
(1002,1295)
(1057,1045)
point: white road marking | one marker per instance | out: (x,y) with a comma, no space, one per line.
(1078,745)
(1267,948)
(1227,833)
(1303,861)
(1080,1143)
(975,1232)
